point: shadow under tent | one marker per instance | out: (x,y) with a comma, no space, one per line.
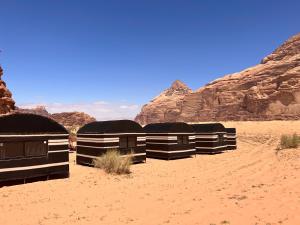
(96,138)
(32,147)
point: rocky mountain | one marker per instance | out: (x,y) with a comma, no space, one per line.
(7,104)
(73,119)
(68,119)
(267,91)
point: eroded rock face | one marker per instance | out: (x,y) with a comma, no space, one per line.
(69,120)
(267,91)
(7,104)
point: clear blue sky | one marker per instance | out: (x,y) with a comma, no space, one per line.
(129,51)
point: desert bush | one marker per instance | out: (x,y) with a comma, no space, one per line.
(113,162)
(289,141)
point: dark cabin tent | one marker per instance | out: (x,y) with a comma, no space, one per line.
(126,136)
(210,137)
(32,146)
(231,138)
(169,140)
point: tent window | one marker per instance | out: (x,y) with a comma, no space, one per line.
(131,142)
(36,148)
(2,152)
(127,142)
(123,142)
(13,150)
(183,140)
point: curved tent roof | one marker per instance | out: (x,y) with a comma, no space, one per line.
(176,127)
(29,124)
(208,127)
(230,130)
(113,126)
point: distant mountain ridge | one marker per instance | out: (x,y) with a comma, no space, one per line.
(267,91)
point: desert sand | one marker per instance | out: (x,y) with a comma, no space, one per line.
(254,184)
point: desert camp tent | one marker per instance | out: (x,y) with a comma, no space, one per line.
(95,138)
(32,146)
(231,138)
(169,140)
(210,137)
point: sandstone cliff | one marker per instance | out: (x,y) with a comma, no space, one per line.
(71,120)
(7,104)
(267,91)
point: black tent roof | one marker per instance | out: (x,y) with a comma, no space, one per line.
(176,127)
(230,130)
(29,124)
(208,127)
(113,126)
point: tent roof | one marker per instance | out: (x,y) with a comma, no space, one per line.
(230,130)
(176,127)
(29,124)
(113,126)
(208,127)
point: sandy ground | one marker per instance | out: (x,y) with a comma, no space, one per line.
(252,185)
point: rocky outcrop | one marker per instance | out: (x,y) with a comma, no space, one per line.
(267,91)
(165,107)
(7,104)
(71,120)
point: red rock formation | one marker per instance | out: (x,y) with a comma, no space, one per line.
(267,91)
(71,120)
(7,104)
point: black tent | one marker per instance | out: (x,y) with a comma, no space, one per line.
(95,138)
(210,137)
(231,138)
(32,146)
(169,140)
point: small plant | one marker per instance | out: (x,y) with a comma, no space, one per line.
(289,141)
(113,162)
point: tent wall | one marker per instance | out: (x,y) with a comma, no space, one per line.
(231,138)
(90,146)
(53,160)
(210,142)
(166,146)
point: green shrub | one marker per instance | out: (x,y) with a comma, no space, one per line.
(289,141)
(113,162)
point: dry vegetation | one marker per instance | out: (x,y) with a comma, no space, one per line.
(289,141)
(113,162)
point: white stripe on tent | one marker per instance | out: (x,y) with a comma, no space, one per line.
(98,140)
(207,136)
(33,167)
(58,151)
(189,150)
(58,140)
(117,146)
(161,138)
(141,138)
